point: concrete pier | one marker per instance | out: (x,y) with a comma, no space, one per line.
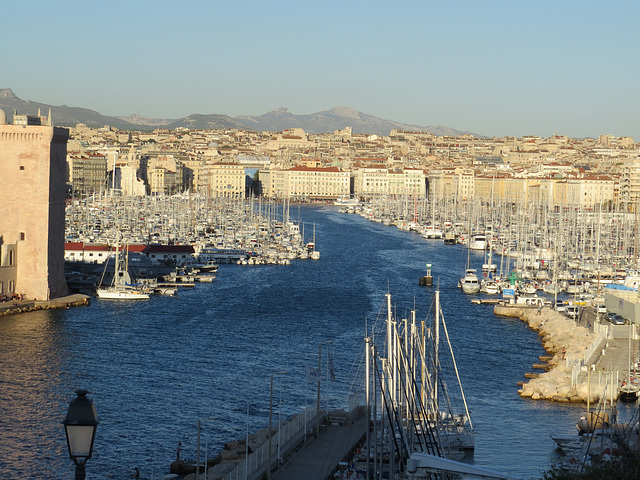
(586,358)
(21,306)
(303,452)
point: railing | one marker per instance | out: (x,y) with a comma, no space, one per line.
(288,436)
(589,357)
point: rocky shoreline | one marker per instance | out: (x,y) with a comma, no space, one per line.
(557,332)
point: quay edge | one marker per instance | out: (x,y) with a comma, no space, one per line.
(16,307)
(567,378)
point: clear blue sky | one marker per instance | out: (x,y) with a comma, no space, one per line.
(490,67)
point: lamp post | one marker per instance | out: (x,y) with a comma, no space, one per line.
(198,445)
(270,422)
(80,428)
(327,342)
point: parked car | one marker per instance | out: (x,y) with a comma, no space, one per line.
(617,320)
(601,309)
(571,311)
(560,306)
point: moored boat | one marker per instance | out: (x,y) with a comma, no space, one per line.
(470,282)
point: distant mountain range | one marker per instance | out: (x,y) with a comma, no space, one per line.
(277,120)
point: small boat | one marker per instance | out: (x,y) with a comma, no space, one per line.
(628,392)
(490,287)
(478,242)
(209,266)
(470,282)
(450,238)
(347,202)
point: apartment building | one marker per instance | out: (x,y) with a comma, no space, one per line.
(305,182)
(223,179)
(87,172)
(371,182)
(630,183)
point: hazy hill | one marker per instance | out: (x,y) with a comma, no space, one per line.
(335,119)
(63,115)
(279,119)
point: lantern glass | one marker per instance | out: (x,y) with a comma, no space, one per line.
(80,438)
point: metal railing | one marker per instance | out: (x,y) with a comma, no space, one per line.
(288,436)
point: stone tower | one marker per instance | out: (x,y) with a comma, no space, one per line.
(32,206)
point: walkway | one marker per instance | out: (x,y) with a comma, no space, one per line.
(318,459)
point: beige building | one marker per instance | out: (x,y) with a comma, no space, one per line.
(450,183)
(371,182)
(290,138)
(32,202)
(165,175)
(630,183)
(590,191)
(305,182)
(223,179)
(88,172)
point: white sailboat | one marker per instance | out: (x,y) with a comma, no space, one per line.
(311,246)
(121,287)
(421,411)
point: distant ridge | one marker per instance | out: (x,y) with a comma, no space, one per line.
(336,118)
(63,115)
(276,120)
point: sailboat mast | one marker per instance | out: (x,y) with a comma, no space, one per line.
(436,353)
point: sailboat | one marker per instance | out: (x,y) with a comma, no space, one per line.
(469,282)
(420,412)
(311,246)
(121,287)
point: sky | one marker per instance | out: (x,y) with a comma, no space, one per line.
(493,68)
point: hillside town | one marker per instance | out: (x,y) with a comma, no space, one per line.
(291,164)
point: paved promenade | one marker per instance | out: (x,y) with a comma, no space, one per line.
(318,459)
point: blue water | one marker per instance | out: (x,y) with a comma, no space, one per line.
(153,368)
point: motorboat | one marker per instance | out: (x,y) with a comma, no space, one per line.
(470,283)
(478,242)
(489,286)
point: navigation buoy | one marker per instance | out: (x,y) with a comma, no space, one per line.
(427,280)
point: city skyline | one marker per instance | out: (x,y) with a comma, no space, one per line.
(494,68)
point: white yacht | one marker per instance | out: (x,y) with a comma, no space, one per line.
(470,282)
(478,242)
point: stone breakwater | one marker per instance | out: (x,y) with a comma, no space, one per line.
(557,332)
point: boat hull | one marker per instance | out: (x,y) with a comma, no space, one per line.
(108,294)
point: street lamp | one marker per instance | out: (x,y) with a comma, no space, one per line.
(326,342)
(270,423)
(80,428)
(198,445)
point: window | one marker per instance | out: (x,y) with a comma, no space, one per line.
(22,236)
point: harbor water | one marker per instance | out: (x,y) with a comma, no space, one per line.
(155,367)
